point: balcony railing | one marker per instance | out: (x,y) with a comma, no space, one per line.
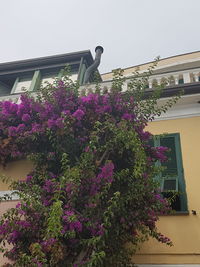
(14,98)
(173,79)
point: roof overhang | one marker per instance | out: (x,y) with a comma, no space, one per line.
(46,62)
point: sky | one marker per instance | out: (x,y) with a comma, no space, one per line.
(132,32)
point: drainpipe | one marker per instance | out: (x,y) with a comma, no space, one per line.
(94,66)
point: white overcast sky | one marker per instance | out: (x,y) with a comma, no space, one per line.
(131,31)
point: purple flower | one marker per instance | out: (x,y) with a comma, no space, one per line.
(107,172)
(145,135)
(4,228)
(47,202)
(26,117)
(78,114)
(36,127)
(160,153)
(14,236)
(61,84)
(29,178)
(91,98)
(67,112)
(51,123)
(20,128)
(59,123)
(69,188)
(69,213)
(21,109)
(97,229)
(127,116)
(7,105)
(75,226)
(47,244)
(18,205)
(24,224)
(12,131)
(48,186)
(87,149)
(13,108)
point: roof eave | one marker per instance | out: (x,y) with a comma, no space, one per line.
(49,61)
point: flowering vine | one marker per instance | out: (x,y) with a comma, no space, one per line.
(92,189)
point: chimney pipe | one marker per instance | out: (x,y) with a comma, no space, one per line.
(94,66)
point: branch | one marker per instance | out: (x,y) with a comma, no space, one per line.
(98,162)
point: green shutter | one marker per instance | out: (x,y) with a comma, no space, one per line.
(172,178)
(61,73)
(14,86)
(171,164)
(35,84)
(81,73)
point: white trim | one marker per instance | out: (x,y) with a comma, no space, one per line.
(177,62)
(186,107)
(9,192)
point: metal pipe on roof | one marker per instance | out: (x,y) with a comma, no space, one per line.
(94,66)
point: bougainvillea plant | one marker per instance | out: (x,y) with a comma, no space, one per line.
(91,197)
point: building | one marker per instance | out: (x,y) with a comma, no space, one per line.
(181,124)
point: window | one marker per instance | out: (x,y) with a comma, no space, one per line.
(22,85)
(31,80)
(42,77)
(172,181)
(6,84)
(181,81)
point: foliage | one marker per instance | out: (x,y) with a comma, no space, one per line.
(91,191)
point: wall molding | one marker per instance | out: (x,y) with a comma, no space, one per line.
(187,106)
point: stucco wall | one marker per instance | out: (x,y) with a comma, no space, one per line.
(17,170)
(184,230)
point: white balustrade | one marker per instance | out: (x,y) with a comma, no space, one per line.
(176,79)
(196,76)
(169,79)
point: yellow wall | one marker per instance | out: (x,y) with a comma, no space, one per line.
(184,230)
(17,170)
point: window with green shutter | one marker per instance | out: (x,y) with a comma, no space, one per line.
(172,180)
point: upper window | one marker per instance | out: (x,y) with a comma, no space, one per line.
(48,78)
(30,81)
(172,181)
(22,85)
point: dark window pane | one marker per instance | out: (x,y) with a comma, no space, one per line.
(180,81)
(174,199)
(169,185)
(151,142)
